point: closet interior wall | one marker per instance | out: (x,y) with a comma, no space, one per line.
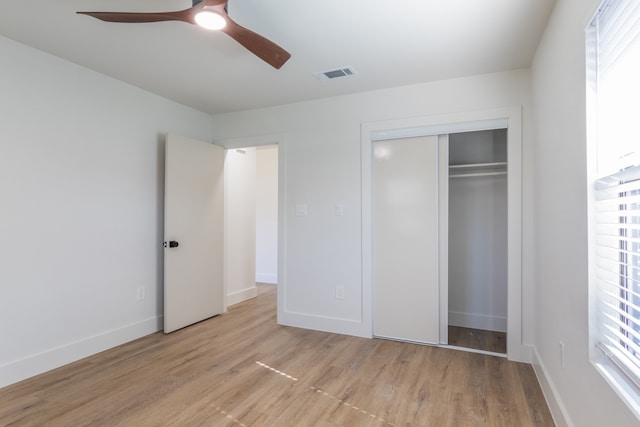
(478,230)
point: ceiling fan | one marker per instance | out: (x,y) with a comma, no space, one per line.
(210,14)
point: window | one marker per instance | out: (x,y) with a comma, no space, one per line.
(613,67)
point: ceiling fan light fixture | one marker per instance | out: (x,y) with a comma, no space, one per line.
(209,14)
(210,20)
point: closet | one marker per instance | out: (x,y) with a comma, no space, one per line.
(477,240)
(440,241)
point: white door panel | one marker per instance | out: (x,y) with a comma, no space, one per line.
(405,268)
(194,218)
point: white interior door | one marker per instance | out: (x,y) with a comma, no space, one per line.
(405,239)
(193,231)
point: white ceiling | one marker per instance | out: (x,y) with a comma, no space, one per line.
(388,43)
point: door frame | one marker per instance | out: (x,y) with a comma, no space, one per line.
(500,118)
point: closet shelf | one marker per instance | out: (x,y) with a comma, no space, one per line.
(477,170)
(470,175)
(478,165)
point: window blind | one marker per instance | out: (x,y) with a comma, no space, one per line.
(617,87)
(617,221)
(618,28)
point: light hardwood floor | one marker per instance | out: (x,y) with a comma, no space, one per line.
(478,339)
(242,369)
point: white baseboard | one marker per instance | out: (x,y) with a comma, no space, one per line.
(557,408)
(243,295)
(266,278)
(521,353)
(478,321)
(30,366)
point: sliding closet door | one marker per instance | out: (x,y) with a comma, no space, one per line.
(405,264)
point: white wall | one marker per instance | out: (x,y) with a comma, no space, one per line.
(561,293)
(478,252)
(322,168)
(240,225)
(81,182)
(267,214)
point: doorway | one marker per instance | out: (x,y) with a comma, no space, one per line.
(477,240)
(251,221)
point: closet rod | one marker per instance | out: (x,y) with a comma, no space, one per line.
(469,175)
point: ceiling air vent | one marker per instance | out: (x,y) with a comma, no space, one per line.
(334,74)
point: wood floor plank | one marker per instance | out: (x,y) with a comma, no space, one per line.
(478,339)
(242,369)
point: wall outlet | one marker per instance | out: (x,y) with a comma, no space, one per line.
(140,293)
(339,292)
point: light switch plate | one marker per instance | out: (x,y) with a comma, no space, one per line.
(301,210)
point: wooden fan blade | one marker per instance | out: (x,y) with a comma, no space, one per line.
(214,2)
(263,48)
(136,17)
